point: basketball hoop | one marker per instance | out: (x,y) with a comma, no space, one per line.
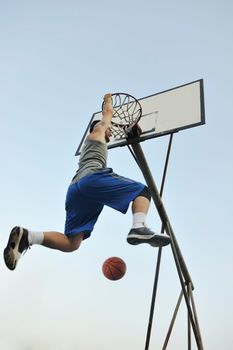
(127,112)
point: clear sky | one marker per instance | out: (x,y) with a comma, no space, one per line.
(58,58)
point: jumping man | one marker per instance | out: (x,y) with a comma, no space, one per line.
(93,186)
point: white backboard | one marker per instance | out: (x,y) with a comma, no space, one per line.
(164,113)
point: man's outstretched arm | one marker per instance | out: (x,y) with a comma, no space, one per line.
(101,128)
(107,111)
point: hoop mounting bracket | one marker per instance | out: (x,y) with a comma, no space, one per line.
(134,135)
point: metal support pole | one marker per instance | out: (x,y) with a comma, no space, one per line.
(179,260)
(153,299)
(195,312)
(188,324)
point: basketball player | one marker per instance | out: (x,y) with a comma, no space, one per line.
(93,186)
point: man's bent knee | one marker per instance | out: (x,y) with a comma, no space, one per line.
(145,193)
(74,242)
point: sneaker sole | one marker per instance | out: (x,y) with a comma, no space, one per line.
(160,242)
(154,241)
(11,253)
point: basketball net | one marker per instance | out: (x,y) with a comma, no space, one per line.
(127,112)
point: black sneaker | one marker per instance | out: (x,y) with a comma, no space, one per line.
(17,244)
(145,235)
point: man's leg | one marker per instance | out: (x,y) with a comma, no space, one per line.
(57,240)
(140,205)
(21,239)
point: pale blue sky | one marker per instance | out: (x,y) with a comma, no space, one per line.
(58,58)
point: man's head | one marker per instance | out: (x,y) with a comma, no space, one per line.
(108,132)
(93,125)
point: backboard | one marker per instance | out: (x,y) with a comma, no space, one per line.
(164,113)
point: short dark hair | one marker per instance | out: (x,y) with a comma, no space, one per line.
(93,125)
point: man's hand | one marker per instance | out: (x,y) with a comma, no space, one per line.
(108,98)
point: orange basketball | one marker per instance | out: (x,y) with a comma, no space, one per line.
(114,268)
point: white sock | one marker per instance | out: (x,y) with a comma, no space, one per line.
(35,237)
(139,220)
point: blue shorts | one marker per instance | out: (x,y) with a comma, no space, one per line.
(86,198)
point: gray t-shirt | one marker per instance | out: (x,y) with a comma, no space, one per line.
(93,157)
